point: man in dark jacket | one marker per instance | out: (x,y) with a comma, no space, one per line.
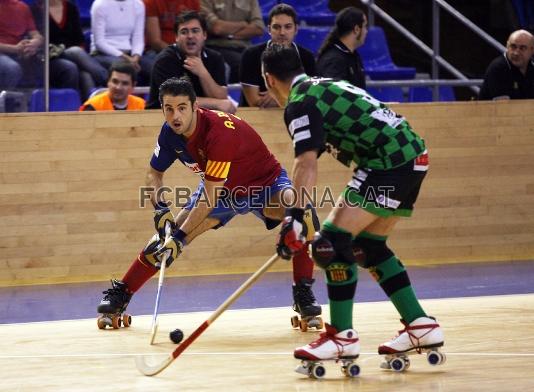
(188,57)
(511,75)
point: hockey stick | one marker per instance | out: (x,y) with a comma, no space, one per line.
(152,370)
(162,267)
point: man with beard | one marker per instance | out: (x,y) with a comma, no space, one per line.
(121,82)
(188,57)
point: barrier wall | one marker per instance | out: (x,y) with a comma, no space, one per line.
(69,195)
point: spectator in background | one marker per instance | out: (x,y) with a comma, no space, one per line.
(282,26)
(118,96)
(511,75)
(231,25)
(188,57)
(337,57)
(160,19)
(117,33)
(67,53)
(19,42)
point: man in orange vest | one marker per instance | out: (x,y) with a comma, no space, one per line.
(121,82)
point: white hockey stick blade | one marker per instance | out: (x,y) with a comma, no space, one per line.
(151,370)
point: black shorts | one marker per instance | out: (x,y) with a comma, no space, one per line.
(387,192)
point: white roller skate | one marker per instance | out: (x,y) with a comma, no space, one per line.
(423,335)
(332,345)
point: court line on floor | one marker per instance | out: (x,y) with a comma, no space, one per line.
(101,355)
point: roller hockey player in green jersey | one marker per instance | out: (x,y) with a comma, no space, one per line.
(391,162)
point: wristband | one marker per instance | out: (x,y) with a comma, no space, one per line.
(179,235)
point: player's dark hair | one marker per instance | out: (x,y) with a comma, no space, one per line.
(284,63)
(188,15)
(346,20)
(125,67)
(282,9)
(177,87)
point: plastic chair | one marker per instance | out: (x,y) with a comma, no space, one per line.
(61,100)
(313,12)
(387,94)
(264,38)
(311,37)
(84,7)
(377,58)
(424,94)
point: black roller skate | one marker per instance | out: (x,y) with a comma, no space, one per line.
(113,305)
(306,306)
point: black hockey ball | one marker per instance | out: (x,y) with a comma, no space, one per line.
(176,336)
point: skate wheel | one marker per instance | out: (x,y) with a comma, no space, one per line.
(295,321)
(435,358)
(317,371)
(126,320)
(352,370)
(406,363)
(101,322)
(397,364)
(303,324)
(321,323)
(116,322)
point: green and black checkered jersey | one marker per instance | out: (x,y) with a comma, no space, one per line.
(333,115)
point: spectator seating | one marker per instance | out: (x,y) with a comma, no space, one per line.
(424,94)
(311,37)
(387,94)
(84,6)
(377,58)
(258,40)
(313,12)
(61,100)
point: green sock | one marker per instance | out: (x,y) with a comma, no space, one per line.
(341,280)
(392,277)
(341,310)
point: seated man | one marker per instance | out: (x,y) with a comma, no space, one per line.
(160,19)
(511,75)
(188,57)
(231,25)
(282,25)
(121,82)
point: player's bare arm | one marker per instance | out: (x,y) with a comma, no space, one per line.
(304,175)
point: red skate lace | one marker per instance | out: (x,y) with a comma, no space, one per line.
(325,336)
(414,340)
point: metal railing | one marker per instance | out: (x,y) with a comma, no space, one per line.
(433,52)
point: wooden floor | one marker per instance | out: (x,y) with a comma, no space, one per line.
(489,346)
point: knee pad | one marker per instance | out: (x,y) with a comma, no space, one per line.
(369,252)
(151,248)
(329,247)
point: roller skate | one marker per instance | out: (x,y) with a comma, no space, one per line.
(332,345)
(423,335)
(113,305)
(306,306)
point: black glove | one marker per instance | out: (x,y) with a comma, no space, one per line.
(292,237)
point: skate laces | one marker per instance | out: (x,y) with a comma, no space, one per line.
(414,340)
(116,289)
(330,335)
